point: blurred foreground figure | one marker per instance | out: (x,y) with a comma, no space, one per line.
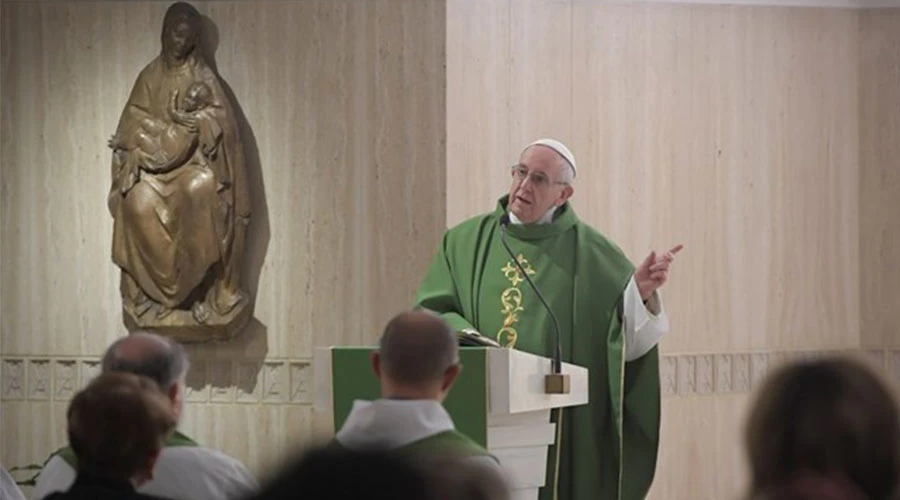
(824,430)
(340,474)
(336,473)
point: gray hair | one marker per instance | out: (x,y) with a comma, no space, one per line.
(568,173)
(158,358)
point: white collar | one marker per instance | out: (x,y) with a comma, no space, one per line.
(393,423)
(546,219)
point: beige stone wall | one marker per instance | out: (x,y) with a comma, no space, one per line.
(757,136)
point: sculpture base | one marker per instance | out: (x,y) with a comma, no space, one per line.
(181,326)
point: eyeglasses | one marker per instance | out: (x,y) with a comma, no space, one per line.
(539,179)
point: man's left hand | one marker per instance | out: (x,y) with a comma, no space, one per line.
(654,271)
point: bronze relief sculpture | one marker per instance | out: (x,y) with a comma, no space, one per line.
(179,197)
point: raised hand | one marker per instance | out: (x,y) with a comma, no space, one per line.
(654,271)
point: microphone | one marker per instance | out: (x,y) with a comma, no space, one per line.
(557,382)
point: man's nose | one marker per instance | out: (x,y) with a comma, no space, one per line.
(526,181)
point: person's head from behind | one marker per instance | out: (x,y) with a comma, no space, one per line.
(157,358)
(417,357)
(117,426)
(343,474)
(831,419)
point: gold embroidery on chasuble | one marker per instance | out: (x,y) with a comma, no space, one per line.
(511,298)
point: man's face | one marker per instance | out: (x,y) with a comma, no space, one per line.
(537,184)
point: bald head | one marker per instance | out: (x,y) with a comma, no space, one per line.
(158,358)
(417,348)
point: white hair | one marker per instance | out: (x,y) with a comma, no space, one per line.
(568,173)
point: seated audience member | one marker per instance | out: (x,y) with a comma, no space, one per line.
(416,363)
(335,473)
(824,430)
(9,490)
(184,471)
(117,426)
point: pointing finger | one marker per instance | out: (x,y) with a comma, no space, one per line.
(659,266)
(659,276)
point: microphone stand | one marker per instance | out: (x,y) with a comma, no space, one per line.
(557,382)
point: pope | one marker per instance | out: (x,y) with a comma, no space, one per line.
(610,315)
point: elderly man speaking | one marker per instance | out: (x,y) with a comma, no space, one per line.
(610,317)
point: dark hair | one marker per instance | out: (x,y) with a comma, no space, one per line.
(117,423)
(460,478)
(832,418)
(337,473)
(418,347)
(164,363)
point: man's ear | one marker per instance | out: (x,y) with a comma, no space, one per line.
(450,376)
(174,393)
(567,193)
(376,363)
(176,397)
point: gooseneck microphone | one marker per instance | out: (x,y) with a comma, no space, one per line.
(557,382)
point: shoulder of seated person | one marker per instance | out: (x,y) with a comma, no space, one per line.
(198,452)
(207,458)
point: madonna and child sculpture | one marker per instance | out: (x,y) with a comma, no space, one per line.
(179,197)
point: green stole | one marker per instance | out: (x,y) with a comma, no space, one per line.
(446,443)
(607,448)
(450,442)
(175,439)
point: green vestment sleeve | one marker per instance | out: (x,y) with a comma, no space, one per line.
(439,292)
(624,411)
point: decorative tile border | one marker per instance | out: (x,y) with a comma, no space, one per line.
(13,374)
(736,373)
(289,381)
(272,381)
(65,379)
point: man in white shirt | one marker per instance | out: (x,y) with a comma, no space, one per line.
(417,363)
(184,470)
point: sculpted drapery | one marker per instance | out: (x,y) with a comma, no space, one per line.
(179,196)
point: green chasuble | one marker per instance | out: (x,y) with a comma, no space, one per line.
(606,449)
